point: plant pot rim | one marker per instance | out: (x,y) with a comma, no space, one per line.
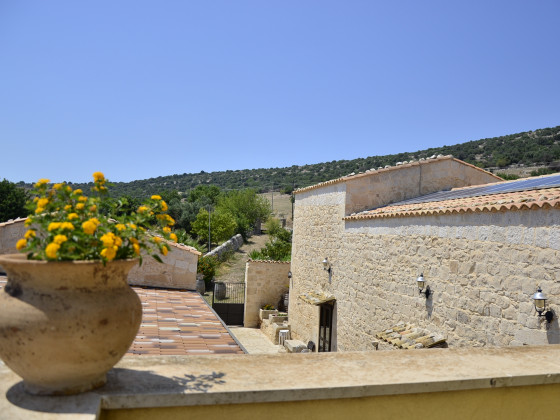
(22,258)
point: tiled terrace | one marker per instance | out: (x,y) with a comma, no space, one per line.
(177,322)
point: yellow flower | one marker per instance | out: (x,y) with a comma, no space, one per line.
(89,227)
(78,191)
(93,208)
(29,234)
(35,199)
(142,209)
(39,210)
(95,220)
(156,239)
(133,240)
(28,222)
(54,226)
(80,206)
(82,199)
(98,177)
(42,202)
(173,237)
(59,239)
(167,229)
(132,226)
(108,239)
(156,197)
(67,226)
(22,243)
(73,216)
(120,226)
(42,182)
(163,206)
(164,250)
(68,207)
(136,249)
(109,253)
(68,188)
(57,186)
(51,250)
(170,220)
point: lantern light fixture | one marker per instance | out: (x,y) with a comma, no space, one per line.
(421,283)
(327,265)
(539,300)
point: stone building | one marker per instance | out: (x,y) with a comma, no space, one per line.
(482,255)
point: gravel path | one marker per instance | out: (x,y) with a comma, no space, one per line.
(233,271)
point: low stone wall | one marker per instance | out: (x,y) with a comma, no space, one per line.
(265,282)
(231,245)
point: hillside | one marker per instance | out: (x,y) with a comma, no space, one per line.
(533,148)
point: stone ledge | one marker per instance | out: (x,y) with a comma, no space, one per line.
(174,381)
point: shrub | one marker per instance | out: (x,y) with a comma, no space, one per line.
(507,177)
(207,266)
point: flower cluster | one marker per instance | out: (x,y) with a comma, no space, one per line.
(67,225)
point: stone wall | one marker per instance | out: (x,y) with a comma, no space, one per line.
(11,232)
(178,270)
(231,245)
(390,185)
(318,230)
(481,267)
(265,282)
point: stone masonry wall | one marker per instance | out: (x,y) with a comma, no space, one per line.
(481,267)
(231,245)
(11,232)
(178,270)
(265,282)
(382,187)
(318,229)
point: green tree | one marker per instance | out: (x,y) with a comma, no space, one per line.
(12,201)
(247,207)
(222,225)
(206,193)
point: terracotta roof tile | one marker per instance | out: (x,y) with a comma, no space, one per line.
(519,200)
(179,322)
(408,336)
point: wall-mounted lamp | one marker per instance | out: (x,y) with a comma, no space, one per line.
(539,299)
(327,265)
(421,284)
(290,277)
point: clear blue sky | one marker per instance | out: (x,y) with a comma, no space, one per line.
(141,89)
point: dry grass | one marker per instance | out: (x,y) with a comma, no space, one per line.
(282,206)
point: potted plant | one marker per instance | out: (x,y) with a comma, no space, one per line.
(68,314)
(266,311)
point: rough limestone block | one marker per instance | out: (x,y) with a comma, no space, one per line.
(294,346)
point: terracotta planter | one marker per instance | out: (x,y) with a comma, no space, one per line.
(63,325)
